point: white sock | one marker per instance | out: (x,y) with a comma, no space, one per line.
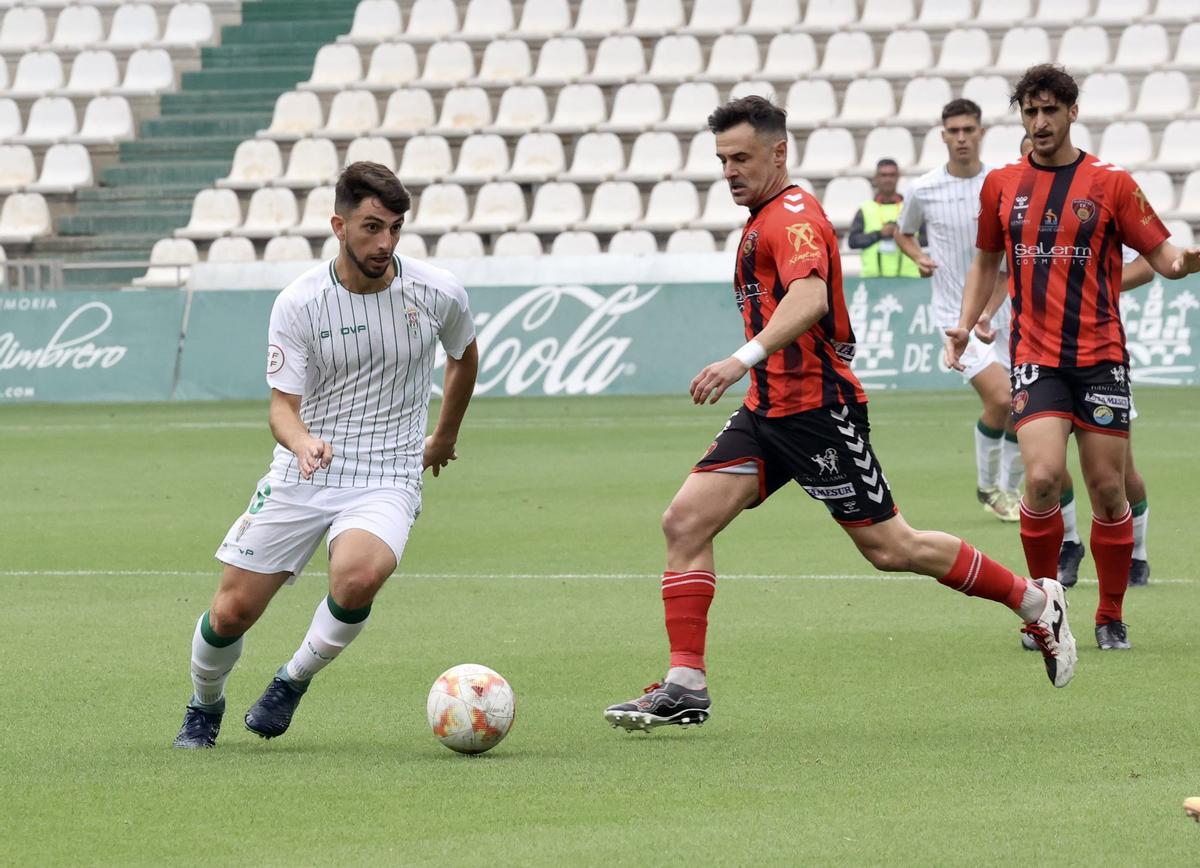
(1012,468)
(1032,603)
(211,666)
(685,676)
(1139,534)
(987,456)
(325,639)
(1070,525)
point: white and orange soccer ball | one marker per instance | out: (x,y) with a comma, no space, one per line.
(470,708)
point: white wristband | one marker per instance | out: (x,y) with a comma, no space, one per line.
(751,354)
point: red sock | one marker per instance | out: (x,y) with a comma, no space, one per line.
(977,575)
(1041,536)
(1112,547)
(686,597)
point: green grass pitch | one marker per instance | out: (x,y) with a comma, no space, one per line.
(859,719)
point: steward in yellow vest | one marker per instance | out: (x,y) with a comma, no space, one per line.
(874,227)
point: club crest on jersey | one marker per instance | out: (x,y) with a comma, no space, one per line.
(827,462)
(242,528)
(413,317)
(1019,402)
(751,243)
(1102,415)
(1085,209)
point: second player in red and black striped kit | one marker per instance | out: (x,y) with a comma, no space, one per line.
(1061,215)
(804,419)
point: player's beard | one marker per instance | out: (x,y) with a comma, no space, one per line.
(371,273)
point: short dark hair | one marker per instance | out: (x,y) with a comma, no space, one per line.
(887,161)
(363,180)
(759,112)
(962,106)
(1047,77)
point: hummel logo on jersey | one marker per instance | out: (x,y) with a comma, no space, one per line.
(792,203)
(345,330)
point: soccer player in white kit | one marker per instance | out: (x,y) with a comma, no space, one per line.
(350,361)
(946,200)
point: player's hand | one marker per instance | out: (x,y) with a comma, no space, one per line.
(984,330)
(438,453)
(956,345)
(925,265)
(313,453)
(1188,261)
(711,383)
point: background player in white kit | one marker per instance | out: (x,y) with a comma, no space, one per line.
(946,200)
(350,364)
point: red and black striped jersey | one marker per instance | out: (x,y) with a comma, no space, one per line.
(1062,228)
(789,238)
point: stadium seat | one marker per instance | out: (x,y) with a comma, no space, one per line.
(1103,96)
(352,113)
(1002,144)
(464,110)
(1182,234)
(636,106)
(373,149)
(750,87)
(134,25)
(409,111)
(575,243)
(318,209)
(842,198)
(3,82)
(691,104)
(561,60)
(1187,51)
(375,21)
(311,163)
(887,15)
(1021,48)
(106,120)
(711,18)
(701,164)
(331,246)
(499,206)
(483,157)
(790,57)
(598,157)
(410,244)
(542,18)
(847,53)
(965,51)
(425,160)
(599,18)
(676,58)
(991,94)
(51,119)
(579,108)
(287,248)
(458,245)
(829,152)
(721,213)
(536,157)
(505,62)
(1164,95)
(170,263)
(734,57)
(1120,11)
(1081,137)
(392,65)
(866,101)
(633,242)
(672,204)
(1175,10)
(231,250)
(657,18)
(522,108)
(17,168)
(923,99)
(78,27)
(431,20)
(933,151)
(25,216)
(826,15)
(486,18)
(24,27)
(1084,48)
(214,213)
(1062,11)
(771,16)
(810,103)
(335,67)
(1127,144)
(690,241)
(148,71)
(655,155)
(733,240)
(894,143)
(1158,187)
(618,59)
(188,24)
(272,211)
(297,114)
(447,64)
(615,205)
(944,13)
(517,243)
(1141,47)
(10,119)
(65,169)
(38,73)
(441,208)
(906,53)
(556,205)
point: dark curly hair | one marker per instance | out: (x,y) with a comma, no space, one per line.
(1045,78)
(363,180)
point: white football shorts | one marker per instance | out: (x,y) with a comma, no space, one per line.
(979,355)
(284,523)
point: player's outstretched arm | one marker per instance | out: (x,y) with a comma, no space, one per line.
(292,434)
(806,301)
(1173,262)
(1136,273)
(981,280)
(457,388)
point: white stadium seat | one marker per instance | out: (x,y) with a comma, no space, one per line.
(10,119)
(578,108)
(714,17)
(447,64)
(170,263)
(23,28)
(38,74)
(848,54)
(1175,10)
(272,211)
(635,107)
(25,216)
(352,113)
(318,209)
(965,51)
(287,248)
(106,120)
(923,99)
(1163,95)
(483,157)
(701,164)
(597,157)
(51,119)
(721,213)
(1103,96)
(1126,144)
(1182,234)
(255,162)
(505,61)
(372,149)
(1062,11)
(133,25)
(499,206)
(615,205)
(17,168)
(542,18)
(3,77)
(771,16)
(458,245)
(672,204)
(885,15)
(789,56)
(1120,11)
(392,65)
(676,58)
(425,160)
(691,104)
(431,20)
(1158,187)
(1142,46)
(410,244)
(1021,48)
(843,197)
(1187,51)
(751,87)
(335,67)
(905,53)
(633,242)
(734,57)
(486,18)
(1081,137)
(1002,143)
(829,152)
(657,17)
(618,59)
(1084,48)
(65,169)
(214,213)
(893,143)
(231,250)
(556,205)
(599,18)
(829,14)
(464,110)
(148,71)
(521,108)
(575,243)
(409,111)
(866,101)
(441,207)
(810,103)
(78,27)
(561,60)
(654,155)
(991,94)
(933,150)
(691,241)
(944,13)
(733,240)
(536,156)
(517,243)
(311,163)
(188,24)
(1189,200)
(297,114)
(375,21)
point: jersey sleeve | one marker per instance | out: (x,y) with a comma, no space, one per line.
(912,215)
(1140,226)
(287,349)
(990,235)
(798,246)
(457,326)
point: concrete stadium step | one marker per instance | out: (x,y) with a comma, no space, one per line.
(106,247)
(306,10)
(279,77)
(173,172)
(245,56)
(181,149)
(132,193)
(287,31)
(162,205)
(122,223)
(244,124)
(212,102)
(101,278)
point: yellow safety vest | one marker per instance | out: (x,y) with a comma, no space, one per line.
(878,261)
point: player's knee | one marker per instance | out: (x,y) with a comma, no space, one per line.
(355,587)
(232,615)
(1041,482)
(886,558)
(1108,491)
(680,524)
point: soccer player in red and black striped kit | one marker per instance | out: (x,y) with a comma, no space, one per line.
(1061,216)
(804,419)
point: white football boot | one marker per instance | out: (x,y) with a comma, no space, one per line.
(1053,635)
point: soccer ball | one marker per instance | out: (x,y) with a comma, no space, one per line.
(470,708)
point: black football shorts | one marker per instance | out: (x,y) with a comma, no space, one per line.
(1095,398)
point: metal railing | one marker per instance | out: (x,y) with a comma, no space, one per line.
(49,275)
